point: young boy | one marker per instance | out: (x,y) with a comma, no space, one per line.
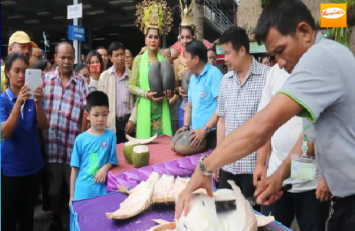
(94,151)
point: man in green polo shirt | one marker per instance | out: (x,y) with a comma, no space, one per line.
(321,89)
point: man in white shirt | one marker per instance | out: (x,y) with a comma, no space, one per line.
(301,201)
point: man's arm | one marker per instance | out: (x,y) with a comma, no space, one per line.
(187,114)
(254,133)
(221,128)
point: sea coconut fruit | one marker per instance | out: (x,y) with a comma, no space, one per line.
(185,81)
(154,77)
(167,75)
(140,156)
(161,77)
(128,149)
(181,144)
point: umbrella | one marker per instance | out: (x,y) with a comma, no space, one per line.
(177,45)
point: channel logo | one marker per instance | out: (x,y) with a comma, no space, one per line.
(332,15)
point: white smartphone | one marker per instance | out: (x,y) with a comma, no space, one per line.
(33,80)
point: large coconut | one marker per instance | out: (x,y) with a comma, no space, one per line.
(128,149)
(140,156)
(181,144)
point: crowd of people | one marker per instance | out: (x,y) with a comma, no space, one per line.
(67,131)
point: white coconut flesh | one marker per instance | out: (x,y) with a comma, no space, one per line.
(225,195)
(141,149)
(130,143)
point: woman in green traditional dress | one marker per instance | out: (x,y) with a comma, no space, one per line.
(153,114)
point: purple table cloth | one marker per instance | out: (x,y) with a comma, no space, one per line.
(181,167)
(89,215)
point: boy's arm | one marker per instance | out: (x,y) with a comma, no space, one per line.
(75,165)
(101,175)
(73,175)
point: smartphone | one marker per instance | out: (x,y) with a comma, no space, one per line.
(33,80)
(94,69)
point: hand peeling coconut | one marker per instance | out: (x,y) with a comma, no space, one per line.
(202,214)
(140,156)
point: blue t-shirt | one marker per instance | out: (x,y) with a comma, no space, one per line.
(203,91)
(90,154)
(21,153)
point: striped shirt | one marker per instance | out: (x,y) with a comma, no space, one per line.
(62,107)
(122,93)
(237,103)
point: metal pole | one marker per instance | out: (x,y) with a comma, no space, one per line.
(76,43)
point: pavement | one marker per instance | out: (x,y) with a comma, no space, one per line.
(42,221)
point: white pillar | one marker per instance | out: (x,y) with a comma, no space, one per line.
(76,43)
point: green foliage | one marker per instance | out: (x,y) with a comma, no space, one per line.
(263,3)
(342,34)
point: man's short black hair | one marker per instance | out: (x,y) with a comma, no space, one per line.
(96,99)
(284,15)
(100,47)
(115,46)
(64,43)
(197,48)
(237,37)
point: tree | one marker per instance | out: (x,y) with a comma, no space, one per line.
(199,17)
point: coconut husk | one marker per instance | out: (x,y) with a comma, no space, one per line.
(131,207)
(164,227)
(249,12)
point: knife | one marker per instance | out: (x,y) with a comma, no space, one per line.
(252,199)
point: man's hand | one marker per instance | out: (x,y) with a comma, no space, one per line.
(322,192)
(182,93)
(197,136)
(259,173)
(129,127)
(150,95)
(216,175)
(267,190)
(182,129)
(100,176)
(198,180)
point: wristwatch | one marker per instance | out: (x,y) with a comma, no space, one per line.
(207,130)
(203,168)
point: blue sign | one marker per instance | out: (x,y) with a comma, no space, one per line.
(76,33)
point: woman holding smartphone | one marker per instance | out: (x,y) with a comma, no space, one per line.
(21,160)
(96,67)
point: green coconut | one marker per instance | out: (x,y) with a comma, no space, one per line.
(128,150)
(140,156)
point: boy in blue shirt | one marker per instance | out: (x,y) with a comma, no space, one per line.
(94,151)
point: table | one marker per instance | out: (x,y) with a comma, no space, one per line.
(89,215)
(162,160)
